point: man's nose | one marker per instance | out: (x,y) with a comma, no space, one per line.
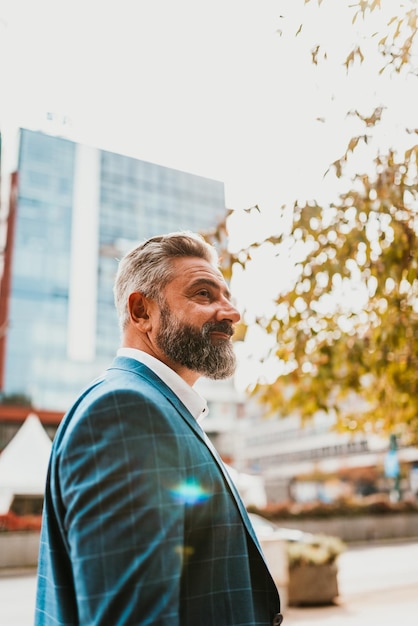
(227,311)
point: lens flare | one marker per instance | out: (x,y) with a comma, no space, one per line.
(189,492)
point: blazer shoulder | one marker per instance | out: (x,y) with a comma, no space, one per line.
(127,386)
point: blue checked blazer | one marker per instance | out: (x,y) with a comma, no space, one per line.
(141,523)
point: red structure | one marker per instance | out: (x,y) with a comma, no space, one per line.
(5,282)
(12,417)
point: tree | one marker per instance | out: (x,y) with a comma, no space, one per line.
(346,332)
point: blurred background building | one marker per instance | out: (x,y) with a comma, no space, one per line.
(74,211)
(314,462)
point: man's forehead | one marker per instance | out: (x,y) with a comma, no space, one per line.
(191,269)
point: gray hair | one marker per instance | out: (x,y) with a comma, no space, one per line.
(148,268)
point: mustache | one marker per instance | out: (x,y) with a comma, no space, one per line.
(221,327)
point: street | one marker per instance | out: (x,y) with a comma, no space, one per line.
(378,584)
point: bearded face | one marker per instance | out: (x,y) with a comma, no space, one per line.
(194,348)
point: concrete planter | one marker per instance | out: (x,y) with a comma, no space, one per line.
(275,553)
(312,584)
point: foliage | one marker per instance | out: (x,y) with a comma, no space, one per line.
(370,505)
(346,333)
(322,550)
(15,399)
(395,44)
(364,244)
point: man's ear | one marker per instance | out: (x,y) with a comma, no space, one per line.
(139,310)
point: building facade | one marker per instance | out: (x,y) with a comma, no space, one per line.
(313,462)
(78,209)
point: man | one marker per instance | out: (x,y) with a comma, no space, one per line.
(141,522)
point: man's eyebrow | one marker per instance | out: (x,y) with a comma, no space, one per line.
(212,283)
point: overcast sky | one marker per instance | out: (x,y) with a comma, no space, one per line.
(221,88)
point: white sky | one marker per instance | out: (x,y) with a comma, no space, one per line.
(208,87)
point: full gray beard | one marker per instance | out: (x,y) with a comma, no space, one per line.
(193,348)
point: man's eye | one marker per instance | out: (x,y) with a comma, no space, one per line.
(204,292)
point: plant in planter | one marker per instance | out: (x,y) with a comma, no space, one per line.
(311,561)
(313,570)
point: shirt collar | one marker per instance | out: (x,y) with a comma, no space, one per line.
(192,400)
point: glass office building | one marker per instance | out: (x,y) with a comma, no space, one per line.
(79,209)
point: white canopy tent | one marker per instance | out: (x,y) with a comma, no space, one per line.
(24,462)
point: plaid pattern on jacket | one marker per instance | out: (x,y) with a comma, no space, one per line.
(141,523)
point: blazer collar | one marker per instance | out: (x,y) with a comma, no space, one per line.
(142,370)
(193,401)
